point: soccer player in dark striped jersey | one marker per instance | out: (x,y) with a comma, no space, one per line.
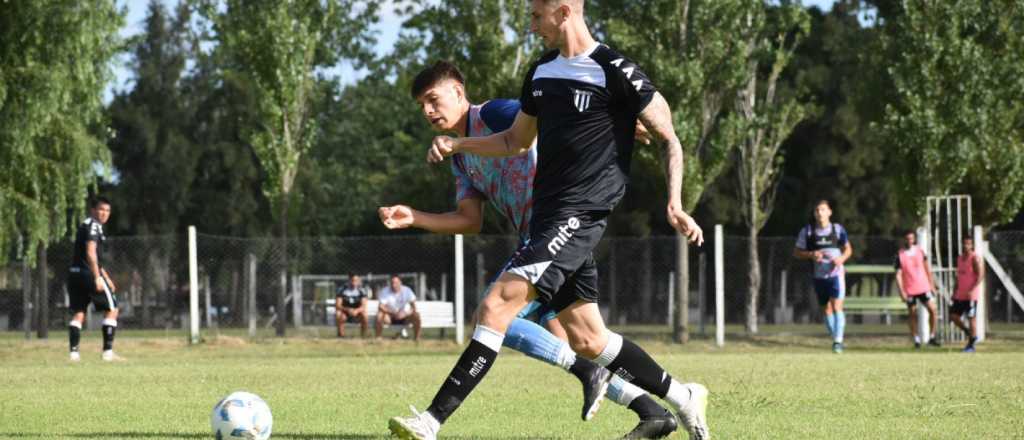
(89,282)
(507,184)
(581,103)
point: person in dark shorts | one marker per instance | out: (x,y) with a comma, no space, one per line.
(89,283)
(827,245)
(917,286)
(970,272)
(397,305)
(580,102)
(350,303)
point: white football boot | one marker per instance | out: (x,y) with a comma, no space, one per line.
(421,426)
(693,413)
(110,356)
(74,356)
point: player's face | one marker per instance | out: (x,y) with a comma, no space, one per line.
(396,284)
(909,239)
(969,245)
(822,213)
(442,105)
(101,213)
(356,282)
(546,21)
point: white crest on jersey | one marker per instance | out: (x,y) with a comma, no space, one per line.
(581,99)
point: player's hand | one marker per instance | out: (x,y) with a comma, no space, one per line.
(99,284)
(442,147)
(110,284)
(686,225)
(819,256)
(642,135)
(396,217)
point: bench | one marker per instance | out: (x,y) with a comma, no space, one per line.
(433,314)
(875,305)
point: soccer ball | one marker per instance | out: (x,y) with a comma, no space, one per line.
(241,415)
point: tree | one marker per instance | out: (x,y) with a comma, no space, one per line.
(772,36)
(278,46)
(54,63)
(151,142)
(956,118)
(689,51)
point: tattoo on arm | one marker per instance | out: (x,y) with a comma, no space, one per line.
(657,117)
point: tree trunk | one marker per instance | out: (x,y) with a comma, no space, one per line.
(681,332)
(43,297)
(754,282)
(282,317)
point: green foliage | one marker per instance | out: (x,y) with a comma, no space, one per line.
(956,120)
(150,123)
(689,51)
(277,46)
(53,66)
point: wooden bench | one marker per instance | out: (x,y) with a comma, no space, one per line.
(433,314)
(875,305)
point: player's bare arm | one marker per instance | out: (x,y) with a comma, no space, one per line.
(467,218)
(657,117)
(847,253)
(94,266)
(514,141)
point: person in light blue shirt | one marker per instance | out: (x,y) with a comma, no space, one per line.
(507,183)
(827,245)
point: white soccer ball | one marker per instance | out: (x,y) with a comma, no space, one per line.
(241,415)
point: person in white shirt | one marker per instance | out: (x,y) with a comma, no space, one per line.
(397,306)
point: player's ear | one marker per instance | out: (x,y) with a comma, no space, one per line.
(460,91)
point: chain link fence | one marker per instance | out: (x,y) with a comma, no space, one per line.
(242,281)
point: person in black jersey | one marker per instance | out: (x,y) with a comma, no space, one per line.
(350,302)
(581,103)
(89,282)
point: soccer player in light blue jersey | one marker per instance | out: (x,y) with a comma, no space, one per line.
(508,183)
(828,246)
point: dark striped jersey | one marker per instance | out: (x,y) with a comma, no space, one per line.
(586,109)
(88,230)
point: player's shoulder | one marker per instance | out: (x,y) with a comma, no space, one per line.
(606,56)
(499,114)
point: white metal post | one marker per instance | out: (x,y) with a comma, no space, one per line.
(297,302)
(193,287)
(719,287)
(981,248)
(251,293)
(460,291)
(670,319)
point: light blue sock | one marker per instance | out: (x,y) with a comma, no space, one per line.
(527,337)
(840,326)
(830,323)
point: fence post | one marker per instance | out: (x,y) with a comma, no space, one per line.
(982,312)
(702,288)
(460,291)
(297,302)
(193,287)
(719,287)
(43,299)
(251,306)
(209,305)
(671,300)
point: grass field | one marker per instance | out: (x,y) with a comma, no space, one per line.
(784,388)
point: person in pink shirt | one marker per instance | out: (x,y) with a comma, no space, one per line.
(970,271)
(914,277)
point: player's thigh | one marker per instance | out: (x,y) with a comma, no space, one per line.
(555,327)
(80,290)
(504,299)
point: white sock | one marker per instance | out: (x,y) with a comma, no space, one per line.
(917,339)
(566,357)
(628,392)
(611,350)
(677,395)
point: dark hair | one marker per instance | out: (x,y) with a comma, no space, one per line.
(908,231)
(434,74)
(96,201)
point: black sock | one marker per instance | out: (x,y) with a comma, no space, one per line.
(108,337)
(583,367)
(74,336)
(634,365)
(645,407)
(471,367)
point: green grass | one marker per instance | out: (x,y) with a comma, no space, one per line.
(784,387)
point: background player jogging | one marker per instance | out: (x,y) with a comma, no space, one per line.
(580,103)
(828,247)
(507,184)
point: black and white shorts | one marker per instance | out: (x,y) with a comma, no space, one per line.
(558,259)
(922,298)
(964,308)
(82,291)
